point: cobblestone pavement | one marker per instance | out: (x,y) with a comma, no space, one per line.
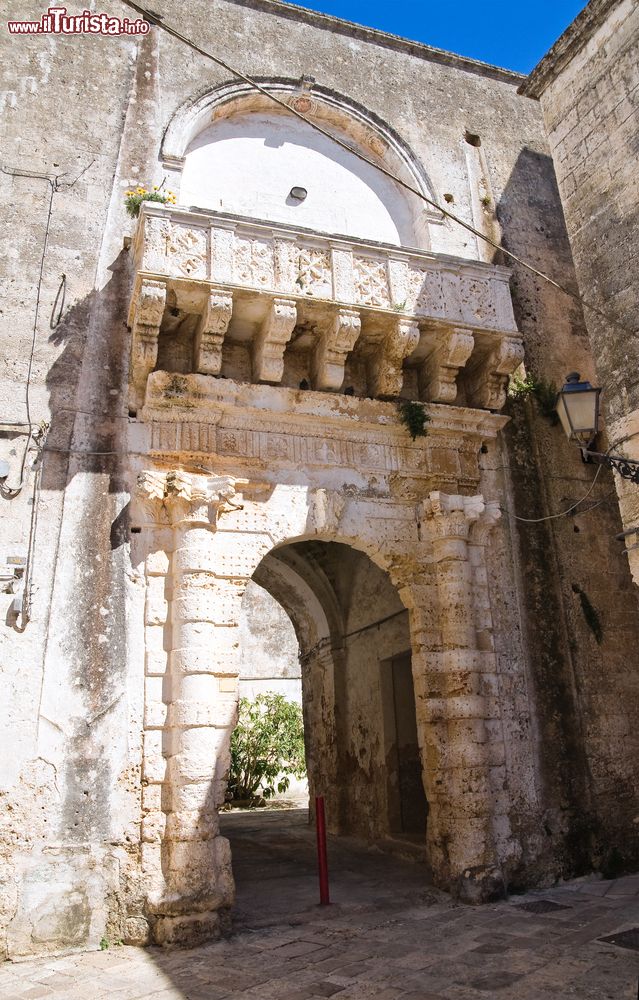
(387,935)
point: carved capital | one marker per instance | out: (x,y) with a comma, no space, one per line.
(146,314)
(385,366)
(438,375)
(336,340)
(210,332)
(485,523)
(325,510)
(177,496)
(450,516)
(271,341)
(148,497)
(490,379)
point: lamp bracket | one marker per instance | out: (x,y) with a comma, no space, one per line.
(627,468)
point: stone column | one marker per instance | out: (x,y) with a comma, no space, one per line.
(457,707)
(193,706)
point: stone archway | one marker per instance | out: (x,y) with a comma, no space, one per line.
(204,538)
(333,111)
(352,627)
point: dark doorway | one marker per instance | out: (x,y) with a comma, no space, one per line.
(407,805)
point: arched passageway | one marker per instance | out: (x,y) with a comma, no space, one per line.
(359,708)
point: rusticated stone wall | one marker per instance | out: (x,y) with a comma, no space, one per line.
(588,88)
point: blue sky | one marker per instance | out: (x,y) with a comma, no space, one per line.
(510,33)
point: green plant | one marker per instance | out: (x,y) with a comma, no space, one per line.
(399,306)
(414,418)
(133,199)
(545,393)
(486,200)
(267,747)
(104,944)
(589,612)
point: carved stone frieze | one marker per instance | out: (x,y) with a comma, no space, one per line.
(209,335)
(314,272)
(400,339)
(253,263)
(271,341)
(146,317)
(336,339)
(438,374)
(371,282)
(171,249)
(424,292)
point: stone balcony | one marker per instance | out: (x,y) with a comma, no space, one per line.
(260,302)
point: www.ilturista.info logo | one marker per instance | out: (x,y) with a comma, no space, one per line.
(56,21)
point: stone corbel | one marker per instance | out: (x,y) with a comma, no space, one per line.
(337,337)
(271,341)
(211,328)
(147,311)
(385,365)
(489,382)
(438,374)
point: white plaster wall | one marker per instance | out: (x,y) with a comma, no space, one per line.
(269,648)
(247,164)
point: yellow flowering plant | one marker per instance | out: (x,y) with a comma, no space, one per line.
(134,198)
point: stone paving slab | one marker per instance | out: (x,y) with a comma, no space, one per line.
(445,952)
(389,935)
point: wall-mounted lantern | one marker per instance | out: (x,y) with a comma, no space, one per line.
(578,409)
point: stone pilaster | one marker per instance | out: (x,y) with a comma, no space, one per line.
(457,704)
(190,711)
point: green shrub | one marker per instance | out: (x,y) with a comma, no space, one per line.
(414,418)
(267,747)
(545,393)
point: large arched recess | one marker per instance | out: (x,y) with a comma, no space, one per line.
(234,150)
(358,699)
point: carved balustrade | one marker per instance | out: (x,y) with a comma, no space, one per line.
(399,308)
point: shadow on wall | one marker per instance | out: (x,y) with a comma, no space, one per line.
(566,665)
(87,385)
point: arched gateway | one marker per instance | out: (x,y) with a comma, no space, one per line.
(244,335)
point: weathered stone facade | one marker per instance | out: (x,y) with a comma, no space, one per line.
(222,391)
(588,87)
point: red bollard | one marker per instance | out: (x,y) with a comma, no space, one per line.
(322,860)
